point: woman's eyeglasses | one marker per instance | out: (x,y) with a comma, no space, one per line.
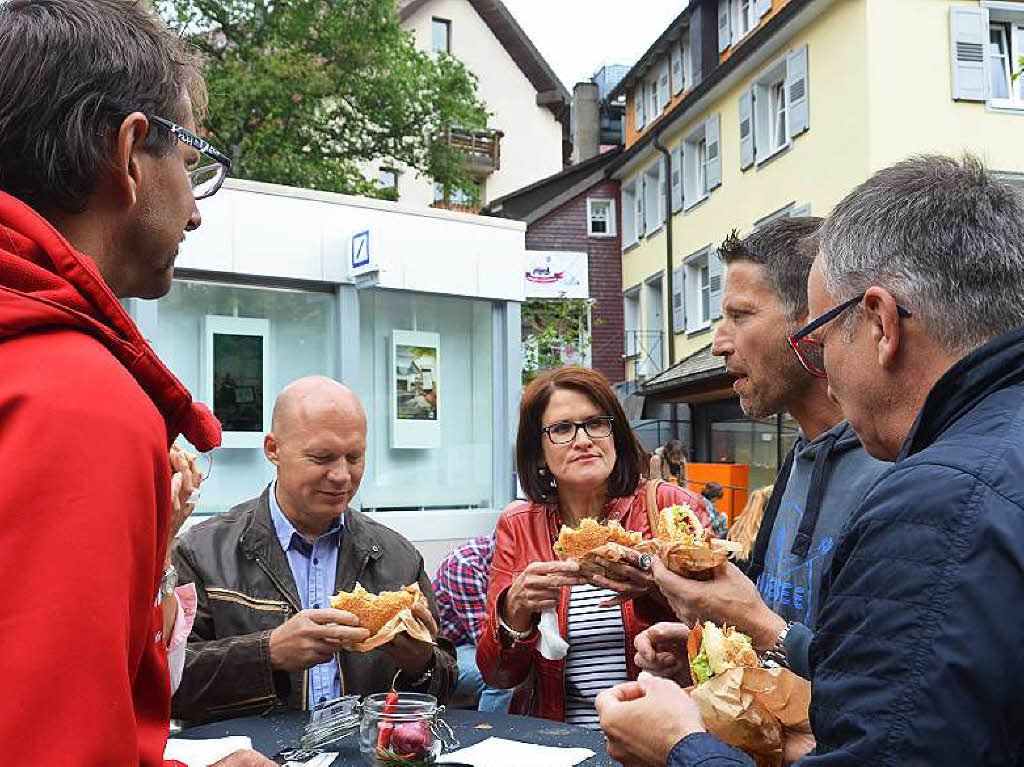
(564,432)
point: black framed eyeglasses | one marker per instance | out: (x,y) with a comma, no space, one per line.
(564,432)
(810,351)
(207,178)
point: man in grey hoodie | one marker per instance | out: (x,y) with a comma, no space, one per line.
(823,478)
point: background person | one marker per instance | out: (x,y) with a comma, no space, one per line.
(669,463)
(265,637)
(577,457)
(744,528)
(710,493)
(460,587)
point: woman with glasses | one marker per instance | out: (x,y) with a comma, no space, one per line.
(577,458)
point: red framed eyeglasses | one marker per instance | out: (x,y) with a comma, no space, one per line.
(810,351)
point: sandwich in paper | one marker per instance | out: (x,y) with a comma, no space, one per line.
(684,545)
(384,615)
(743,704)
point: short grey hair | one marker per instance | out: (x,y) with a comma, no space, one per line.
(944,236)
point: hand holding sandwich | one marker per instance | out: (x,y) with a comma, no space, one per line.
(535,589)
(311,637)
(729,597)
(409,654)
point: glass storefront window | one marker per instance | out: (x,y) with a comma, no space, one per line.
(301,339)
(457,473)
(753,442)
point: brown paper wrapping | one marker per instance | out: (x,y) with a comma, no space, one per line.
(685,559)
(749,708)
(595,560)
(403,621)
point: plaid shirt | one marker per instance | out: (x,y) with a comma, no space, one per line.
(460,585)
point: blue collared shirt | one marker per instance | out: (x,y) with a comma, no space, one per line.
(314,567)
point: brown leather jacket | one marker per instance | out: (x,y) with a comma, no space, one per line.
(526,533)
(246,589)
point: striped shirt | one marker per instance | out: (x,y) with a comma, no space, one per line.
(597,656)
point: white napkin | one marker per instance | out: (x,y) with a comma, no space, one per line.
(499,752)
(552,646)
(203,753)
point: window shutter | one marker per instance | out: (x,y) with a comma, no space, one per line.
(715,282)
(663,84)
(796,91)
(724,33)
(764,7)
(662,181)
(677,69)
(677,178)
(696,47)
(968,33)
(746,129)
(678,304)
(712,130)
(638,106)
(641,228)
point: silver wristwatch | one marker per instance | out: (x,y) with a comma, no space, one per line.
(169,582)
(775,656)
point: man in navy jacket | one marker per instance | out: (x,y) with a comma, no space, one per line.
(919,292)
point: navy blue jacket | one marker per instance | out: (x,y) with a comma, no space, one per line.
(918,658)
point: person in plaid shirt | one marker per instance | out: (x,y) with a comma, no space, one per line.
(460,585)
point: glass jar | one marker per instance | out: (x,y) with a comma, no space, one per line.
(404,729)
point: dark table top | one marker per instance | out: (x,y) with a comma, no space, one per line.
(275,732)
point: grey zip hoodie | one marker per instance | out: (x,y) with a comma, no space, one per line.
(828,476)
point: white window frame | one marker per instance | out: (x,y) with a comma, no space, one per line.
(629,236)
(765,113)
(381,184)
(697,268)
(684,45)
(1013,32)
(743,22)
(654,203)
(631,321)
(594,203)
(653,98)
(447,24)
(695,168)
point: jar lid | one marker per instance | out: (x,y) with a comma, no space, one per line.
(331,721)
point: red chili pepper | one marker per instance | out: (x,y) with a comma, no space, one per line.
(386,727)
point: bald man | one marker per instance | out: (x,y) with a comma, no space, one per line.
(265,637)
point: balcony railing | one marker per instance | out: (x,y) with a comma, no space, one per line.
(646,348)
(482,149)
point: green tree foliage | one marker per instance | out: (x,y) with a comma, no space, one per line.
(302,92)
(556,331)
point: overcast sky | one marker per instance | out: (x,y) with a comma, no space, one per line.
(578,36)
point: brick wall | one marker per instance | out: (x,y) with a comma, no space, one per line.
(566,229)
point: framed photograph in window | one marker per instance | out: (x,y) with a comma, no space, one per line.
(235,376)
(415,370)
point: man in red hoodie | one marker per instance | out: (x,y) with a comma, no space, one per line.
(99,175)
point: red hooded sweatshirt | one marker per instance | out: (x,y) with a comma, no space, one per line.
(87,415)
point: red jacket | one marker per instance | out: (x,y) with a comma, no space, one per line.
(526,533)
(87,415)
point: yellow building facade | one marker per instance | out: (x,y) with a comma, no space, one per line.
(829,92)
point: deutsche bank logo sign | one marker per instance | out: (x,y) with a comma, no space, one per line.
(361,249)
